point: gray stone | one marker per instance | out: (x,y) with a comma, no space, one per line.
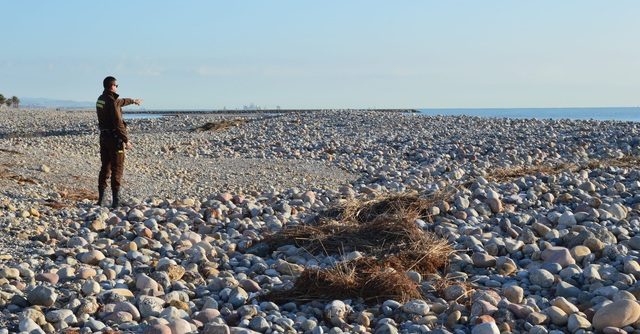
(150,306)
(42,295)
(634,242)
(483,260)
(95,325)
(213,328)
(419,307)
(179,326)
(259,324)
(559,255)
(541,277)
(29,326)
(485,328)
(61,315)
(238,297)
(160,329)
(129,308)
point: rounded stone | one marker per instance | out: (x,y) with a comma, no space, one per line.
(92,257)
(29,326)
(559,255)
(150,306)
(580,252)
(541,277)
(557,315)
(90,287)
(259,324)
(157,329)
(577,322)
(146,282)
(215,328)
(419,307)
(495,204)
(251,285)
(634,242)
(485,328)
(179,326)
(594,244)
(85,272)
(454,292)
(483,260)
(9,273)
(129,308)
(66,273)
(513,293)
(238,297)
(52,278)
(619,314)
(118,317)
(61,315)
(42,295)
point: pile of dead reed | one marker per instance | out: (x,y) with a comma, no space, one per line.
(384,230)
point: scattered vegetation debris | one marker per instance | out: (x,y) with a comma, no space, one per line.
(8,175)
(501,175)
(71,195)
(368,279)
(384,230)
(217,126)
(74,194)
(9,151)
(628,161)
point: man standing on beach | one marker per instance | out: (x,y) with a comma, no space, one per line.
(113,138)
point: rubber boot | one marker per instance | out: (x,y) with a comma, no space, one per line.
(100,196)
(116,203)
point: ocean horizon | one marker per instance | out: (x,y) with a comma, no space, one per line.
(576,113)
(596,113)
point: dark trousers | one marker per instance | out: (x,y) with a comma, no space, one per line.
(112,163)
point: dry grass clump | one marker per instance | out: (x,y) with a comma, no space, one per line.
(366,278)
(217,126)
(377,227)
(6,174)
(75,194)
(626,161)
(384,230)
(501,175)
(72,195)
(508,174)
(406,207)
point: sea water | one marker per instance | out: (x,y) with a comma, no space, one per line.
(147,115)
(601,114)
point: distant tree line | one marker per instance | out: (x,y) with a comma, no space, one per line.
(13,101)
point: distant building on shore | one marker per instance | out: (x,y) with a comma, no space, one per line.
(252,107)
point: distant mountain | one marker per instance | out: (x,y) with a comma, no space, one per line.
(31,102)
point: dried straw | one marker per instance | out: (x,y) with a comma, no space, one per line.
(384,230)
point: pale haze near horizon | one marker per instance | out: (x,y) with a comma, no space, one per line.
(326,54)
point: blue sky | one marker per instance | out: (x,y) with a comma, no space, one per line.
(326,54)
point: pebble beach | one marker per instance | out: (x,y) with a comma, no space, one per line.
(542,217)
